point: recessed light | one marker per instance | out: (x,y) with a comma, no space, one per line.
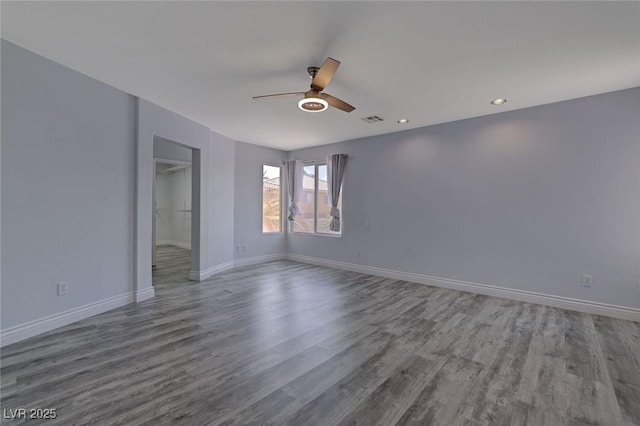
(403,121)
(498,101)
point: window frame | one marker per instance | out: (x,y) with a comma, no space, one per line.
(316,164)
(282,216)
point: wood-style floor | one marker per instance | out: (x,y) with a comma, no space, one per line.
(286,343)
(172,266)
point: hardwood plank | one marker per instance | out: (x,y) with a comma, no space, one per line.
(583,358)
(438,402)
(620,343)
(308,386)
(387,404)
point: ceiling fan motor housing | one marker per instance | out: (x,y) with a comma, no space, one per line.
(313,71)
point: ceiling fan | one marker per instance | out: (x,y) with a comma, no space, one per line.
(314,100)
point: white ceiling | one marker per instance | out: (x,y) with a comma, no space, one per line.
(431,62)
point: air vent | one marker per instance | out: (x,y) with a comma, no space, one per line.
(372,119)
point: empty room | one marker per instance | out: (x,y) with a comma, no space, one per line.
(320,213)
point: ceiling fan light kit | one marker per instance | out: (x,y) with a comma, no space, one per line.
(312,103)
(314,100)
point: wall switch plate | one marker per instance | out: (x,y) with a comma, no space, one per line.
(587,280)
(63,288)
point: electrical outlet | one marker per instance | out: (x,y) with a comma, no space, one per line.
(63,288)
(244,247)
(587,280)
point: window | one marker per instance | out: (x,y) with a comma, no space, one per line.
(271,196)
(314,203)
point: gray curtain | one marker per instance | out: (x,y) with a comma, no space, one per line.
(335,173)
(294,174)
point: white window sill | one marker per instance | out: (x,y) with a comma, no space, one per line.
(316,234)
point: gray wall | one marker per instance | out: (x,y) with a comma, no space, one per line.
(248,202)
(529,199)
(222,164)
(67,179)
(168,150)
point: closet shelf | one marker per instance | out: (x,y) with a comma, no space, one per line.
(175,169)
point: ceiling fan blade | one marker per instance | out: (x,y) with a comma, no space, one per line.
(279,95)
(325,74)
(337,103)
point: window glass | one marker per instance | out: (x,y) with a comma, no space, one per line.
(306,202)
(314,203)
(271,196)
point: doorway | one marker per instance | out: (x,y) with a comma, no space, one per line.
(172,214)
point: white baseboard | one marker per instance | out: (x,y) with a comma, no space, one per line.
(596,308)
(173,243)
(206,273)
(144,294)
(42,325)
(213,270)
